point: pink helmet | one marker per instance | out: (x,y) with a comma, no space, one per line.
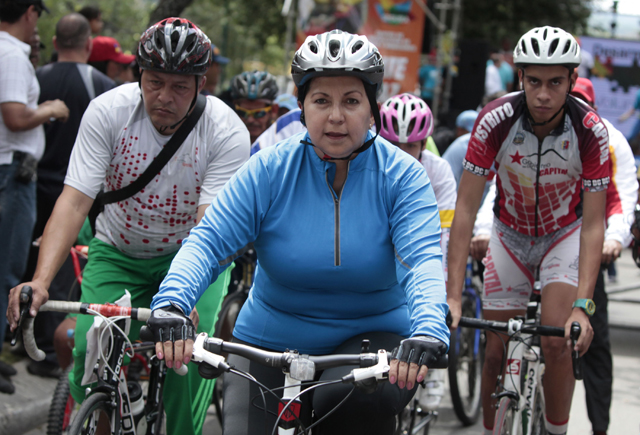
(405,118)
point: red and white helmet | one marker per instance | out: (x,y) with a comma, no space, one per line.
(405,118)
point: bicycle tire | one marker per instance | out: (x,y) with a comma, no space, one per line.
(61,407)
(465,369)
(503,423)
(85,421)
(229,313)
(224,329)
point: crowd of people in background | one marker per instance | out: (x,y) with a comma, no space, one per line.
(43,104)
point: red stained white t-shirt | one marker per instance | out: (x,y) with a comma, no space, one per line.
(115,144)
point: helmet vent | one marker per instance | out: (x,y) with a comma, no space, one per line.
(544,34)
(553,46)
(313,47)
(334,48)
(191,46)
(357,46)
(422,123)
(158,37)
(523,47)
(567,47)
(536,47)
(175,37)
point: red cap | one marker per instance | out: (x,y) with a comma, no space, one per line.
(106,48)
(584,88)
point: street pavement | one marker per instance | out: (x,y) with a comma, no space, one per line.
(25,412)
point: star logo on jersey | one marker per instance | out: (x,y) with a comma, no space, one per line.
(516,158)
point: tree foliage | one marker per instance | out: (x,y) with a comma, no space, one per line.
(502,23)
(122,20)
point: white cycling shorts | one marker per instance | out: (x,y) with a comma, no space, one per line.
(512,260)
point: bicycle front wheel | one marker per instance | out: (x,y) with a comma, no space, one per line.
(466,354)
(505,416)
(96,412)
(62,407)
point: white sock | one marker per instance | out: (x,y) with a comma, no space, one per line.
(556,428)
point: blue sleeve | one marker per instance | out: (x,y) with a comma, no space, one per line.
(415,232)
(637,103)
(229,224)
(454,155)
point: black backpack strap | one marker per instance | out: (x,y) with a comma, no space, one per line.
(154,168)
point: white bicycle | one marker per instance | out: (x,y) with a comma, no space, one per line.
(520,393)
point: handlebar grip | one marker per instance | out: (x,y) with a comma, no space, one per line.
(30,341)
(146,334)
(183,370)
(575,355)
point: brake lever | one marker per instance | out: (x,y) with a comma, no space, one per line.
(26,296)
(575,355)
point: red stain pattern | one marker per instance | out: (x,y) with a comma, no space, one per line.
(144,220)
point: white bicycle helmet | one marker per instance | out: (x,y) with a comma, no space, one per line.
(337,53)
(547,46)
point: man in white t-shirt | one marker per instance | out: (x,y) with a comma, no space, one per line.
(21,146)
(136,239)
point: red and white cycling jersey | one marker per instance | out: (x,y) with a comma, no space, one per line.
(539,183)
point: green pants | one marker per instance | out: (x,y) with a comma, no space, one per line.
(107,274)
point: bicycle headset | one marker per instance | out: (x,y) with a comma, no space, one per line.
(335,54)
(547,46)
(175,46)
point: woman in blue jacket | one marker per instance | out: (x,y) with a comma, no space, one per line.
(347,233)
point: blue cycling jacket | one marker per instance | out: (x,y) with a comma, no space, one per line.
(329,266)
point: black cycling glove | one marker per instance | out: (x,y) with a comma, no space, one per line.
(170,324)
(420,350)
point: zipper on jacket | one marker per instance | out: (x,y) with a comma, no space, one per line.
(537,189)
(336,215)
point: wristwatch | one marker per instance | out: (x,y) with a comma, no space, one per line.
(587,305)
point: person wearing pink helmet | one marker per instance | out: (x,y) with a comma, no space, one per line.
(407,122)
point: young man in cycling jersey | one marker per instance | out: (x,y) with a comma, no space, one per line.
(121,133)
(253,94)
(551,154)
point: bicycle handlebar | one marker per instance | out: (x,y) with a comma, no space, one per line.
(25,323)
(301,367)
(514,326)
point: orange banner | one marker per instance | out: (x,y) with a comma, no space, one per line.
(394,26)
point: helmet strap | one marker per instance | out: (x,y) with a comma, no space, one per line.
(538,124)
(371,96)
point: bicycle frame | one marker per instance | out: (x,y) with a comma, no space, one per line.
(513,376)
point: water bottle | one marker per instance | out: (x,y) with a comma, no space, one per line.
(137,407)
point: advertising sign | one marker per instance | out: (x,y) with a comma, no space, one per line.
(394,26)
(616,77)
